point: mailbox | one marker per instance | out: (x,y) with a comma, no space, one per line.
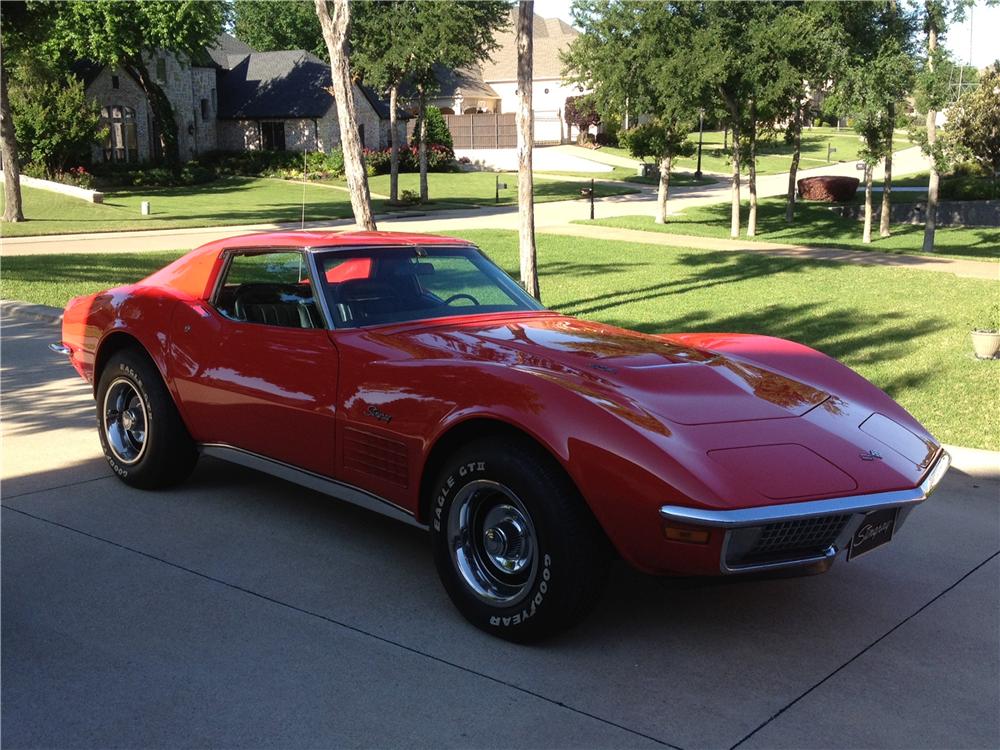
(586,192)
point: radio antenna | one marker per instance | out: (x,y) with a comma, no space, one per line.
(302,225)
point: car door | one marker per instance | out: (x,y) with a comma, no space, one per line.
(255,368)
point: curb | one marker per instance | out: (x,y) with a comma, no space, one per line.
(28,311)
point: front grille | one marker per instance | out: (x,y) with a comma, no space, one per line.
(785,540)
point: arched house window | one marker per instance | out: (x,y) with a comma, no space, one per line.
(122,143)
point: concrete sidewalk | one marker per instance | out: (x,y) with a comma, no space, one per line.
(237,610)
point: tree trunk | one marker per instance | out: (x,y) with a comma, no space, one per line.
(661,195)
(335,34)
(934,182)
(752,218)
(883,223)
(525,142)
(160,109)
(422,144)
(793,171)
(734,222)
(393,145)
(866,237)
(12,210)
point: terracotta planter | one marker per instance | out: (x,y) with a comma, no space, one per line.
(986,344)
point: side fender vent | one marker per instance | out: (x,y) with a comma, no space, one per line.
(376,455)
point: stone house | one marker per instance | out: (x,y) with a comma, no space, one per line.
(232,98)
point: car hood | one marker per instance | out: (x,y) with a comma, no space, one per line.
(741,413)
(680,383)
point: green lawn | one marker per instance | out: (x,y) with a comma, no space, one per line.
(249,200)
(907,331)
(775,156)
(236,200)
(479,188)
(817,225)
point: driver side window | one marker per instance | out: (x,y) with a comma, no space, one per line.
(270,288)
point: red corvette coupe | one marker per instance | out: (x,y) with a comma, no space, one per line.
(410,375)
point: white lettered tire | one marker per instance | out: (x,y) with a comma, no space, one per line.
(516,547)
(143,437)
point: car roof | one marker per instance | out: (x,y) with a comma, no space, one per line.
(314,241)
(192,274)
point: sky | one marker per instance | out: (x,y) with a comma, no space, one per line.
(984,23)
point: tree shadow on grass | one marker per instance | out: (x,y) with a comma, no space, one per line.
(846,334)
(720,268)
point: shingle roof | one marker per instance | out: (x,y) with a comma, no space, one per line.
(285,83)
(551,36)
(228,51)
(288,83)
(470,80)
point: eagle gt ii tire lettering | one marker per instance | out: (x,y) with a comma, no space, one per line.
(142,435)
(517,549)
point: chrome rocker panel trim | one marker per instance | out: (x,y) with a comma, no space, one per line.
(858,505)
(340,490)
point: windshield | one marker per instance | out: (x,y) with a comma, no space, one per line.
(393,285)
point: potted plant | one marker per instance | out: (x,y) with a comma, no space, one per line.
(986,334)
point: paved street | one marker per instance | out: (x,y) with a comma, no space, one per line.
(238,610)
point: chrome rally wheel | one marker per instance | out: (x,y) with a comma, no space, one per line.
(126,420)
(516,547)
(142,434)
(492,542)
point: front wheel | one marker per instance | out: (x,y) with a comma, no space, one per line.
(516,547)
(142,435)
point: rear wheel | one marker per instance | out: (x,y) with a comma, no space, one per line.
(516,547)
(142,435)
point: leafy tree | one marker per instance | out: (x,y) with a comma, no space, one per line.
(452,33)
(335,20)
(974,123)
(602,57)
(56,123)
(23,26)
(437,129)
(662,140)
(935,90)
(877,72)
(118,34)
(279,24)
(581,112)
(656,34)
(528,252)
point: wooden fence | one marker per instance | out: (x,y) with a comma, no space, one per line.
(496,131)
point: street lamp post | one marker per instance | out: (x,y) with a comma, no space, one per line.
(458,100)
(701,133)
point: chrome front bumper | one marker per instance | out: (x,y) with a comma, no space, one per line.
(60,348)
(745,524)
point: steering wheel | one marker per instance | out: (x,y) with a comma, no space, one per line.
(469,297)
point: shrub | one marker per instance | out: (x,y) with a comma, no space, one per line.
(56,124)
(131,175)
(76,176)
(829,189)
(439,159)
(437,129)
(581,112)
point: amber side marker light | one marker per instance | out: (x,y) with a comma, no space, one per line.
(691,536)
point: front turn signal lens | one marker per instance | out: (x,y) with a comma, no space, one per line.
(691,536)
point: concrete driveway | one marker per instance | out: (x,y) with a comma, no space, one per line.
(237,610)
